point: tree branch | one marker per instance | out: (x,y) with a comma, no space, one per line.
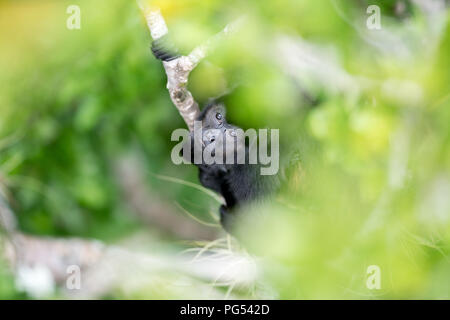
(40,263)
(178,69)
(8,221)
(153,211)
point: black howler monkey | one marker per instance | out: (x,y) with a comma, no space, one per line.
(239,184)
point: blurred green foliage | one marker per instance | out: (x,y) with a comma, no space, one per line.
(374,180)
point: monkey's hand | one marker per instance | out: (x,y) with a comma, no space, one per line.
(164,49)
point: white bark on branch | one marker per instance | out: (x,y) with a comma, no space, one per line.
(107,268)
(178,70)
(41,263)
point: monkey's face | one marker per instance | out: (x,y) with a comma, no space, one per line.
(216,132)
(214,123)
(216,128)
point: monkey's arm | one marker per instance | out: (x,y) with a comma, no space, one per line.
(164,49)
(227,218)
(211,177)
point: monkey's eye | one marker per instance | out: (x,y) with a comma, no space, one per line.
(218,116)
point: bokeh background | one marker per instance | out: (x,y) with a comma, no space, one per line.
(85,125)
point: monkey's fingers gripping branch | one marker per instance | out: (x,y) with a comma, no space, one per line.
(164,49)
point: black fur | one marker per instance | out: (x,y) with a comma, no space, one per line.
(239,184)
(164,49)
